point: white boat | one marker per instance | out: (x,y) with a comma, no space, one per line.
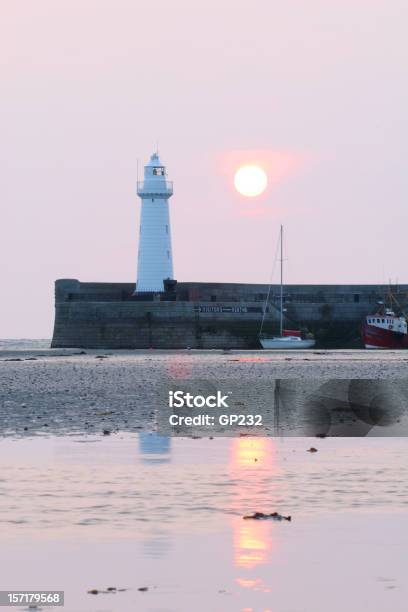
(287,339)
(286,342)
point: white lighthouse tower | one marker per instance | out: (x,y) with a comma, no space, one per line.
(155,260)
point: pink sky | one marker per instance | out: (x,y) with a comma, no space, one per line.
(89,86)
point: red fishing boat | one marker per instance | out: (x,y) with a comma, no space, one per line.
(385,330)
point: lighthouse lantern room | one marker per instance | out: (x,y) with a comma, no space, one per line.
(155,260)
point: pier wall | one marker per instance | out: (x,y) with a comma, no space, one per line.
(207,315)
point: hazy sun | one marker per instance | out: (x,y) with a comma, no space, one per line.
(250,181)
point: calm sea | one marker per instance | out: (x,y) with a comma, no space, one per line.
(136,511)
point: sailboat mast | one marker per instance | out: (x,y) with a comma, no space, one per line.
(281,281)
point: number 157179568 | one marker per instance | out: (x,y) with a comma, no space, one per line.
(45,598)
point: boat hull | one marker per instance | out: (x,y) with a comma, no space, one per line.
(378,338)
(285,344)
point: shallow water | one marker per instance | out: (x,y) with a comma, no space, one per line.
(139,510)
(25,344)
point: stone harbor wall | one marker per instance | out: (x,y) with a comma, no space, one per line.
(208,315)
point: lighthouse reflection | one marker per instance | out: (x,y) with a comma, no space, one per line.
(154,448)
(252,463)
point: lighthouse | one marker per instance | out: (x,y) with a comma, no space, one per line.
(155,259)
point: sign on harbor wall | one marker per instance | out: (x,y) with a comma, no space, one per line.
(218,309)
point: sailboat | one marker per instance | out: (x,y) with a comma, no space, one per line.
(288,338)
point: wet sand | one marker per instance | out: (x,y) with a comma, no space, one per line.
(63,391)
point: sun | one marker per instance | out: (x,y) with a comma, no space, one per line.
(250,181)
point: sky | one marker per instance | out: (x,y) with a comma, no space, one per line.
(313,91)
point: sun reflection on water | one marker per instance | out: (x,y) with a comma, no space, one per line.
(251,548)
(252,459)
(252,452)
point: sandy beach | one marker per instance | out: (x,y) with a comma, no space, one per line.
(46,391)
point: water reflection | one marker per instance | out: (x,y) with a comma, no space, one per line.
(157,545)
(252,453)
(177,527)
(251,547)
(252,460)
(154,448)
